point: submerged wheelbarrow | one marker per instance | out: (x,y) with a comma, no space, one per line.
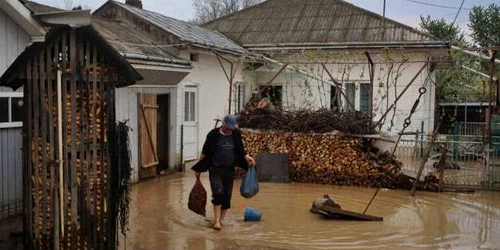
(330,209)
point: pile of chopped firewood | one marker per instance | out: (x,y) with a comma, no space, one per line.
(330,159)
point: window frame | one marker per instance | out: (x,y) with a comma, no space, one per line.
(364,86)
(10,123)
(190,106)
(273,88)
(240,96)
(351,99)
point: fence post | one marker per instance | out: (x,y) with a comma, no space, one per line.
(456,130)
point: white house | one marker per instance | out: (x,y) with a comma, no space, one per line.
(17,30)
(343,37)
(184,87)
(292,46)
(187,69)
(21,24)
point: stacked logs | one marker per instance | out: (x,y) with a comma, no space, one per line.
(330,159)
(92,106)
(83,112)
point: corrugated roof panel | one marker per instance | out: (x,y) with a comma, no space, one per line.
(132,40)
(354,34)
(333,18)
(287,24)
(336,35)
(318,36)
(361,22)
(276,37)
(300,36)
(185,31)
(323,23)
(311,11)
(306,24)
(327,10)
(244,25)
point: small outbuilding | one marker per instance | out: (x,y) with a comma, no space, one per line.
(70,166)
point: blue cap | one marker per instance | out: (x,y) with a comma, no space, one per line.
(230,121)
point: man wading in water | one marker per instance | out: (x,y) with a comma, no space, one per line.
(222,151)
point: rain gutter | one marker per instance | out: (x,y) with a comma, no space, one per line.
(344,46)
(155,59)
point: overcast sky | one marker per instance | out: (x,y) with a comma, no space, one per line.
(405,11)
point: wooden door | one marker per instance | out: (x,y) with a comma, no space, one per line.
(148,111)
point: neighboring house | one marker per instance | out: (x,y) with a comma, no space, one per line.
(17,30)
(21,24)
(186,69)
(308,33)
(263,37)
(184,87)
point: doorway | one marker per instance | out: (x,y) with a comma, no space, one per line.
(163,128)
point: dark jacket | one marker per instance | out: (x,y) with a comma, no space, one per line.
(211,145)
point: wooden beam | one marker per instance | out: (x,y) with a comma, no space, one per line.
(442,162)
(73,167)
(426,156)
(339,86)
(372,80)
(150,165)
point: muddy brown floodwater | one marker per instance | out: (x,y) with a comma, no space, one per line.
(160,219)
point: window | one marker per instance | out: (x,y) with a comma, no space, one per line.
(240,99)
(11,109)
(351,94)
(334,98)
(194,57)
(274,93)
(189,106)
(364,101)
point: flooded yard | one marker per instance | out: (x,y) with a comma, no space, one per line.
(160,219)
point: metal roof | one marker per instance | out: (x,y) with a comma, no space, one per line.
(185,31)
(37,8)
(128,39)
(299,22)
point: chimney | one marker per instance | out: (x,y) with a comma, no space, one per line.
(135,3)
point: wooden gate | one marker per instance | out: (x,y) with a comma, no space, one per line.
(148,135)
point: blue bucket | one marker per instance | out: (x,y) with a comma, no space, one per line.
(252,214)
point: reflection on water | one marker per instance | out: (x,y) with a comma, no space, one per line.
(160,219)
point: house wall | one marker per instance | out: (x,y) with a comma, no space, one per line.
(213,90)
(301,91)
(13,40)
(127,109)
(212,87)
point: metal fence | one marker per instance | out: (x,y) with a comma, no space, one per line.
(474,128)
(467,164)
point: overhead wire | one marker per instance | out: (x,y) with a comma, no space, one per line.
(437,5)
(458,13)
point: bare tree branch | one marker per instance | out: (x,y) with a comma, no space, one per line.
(207,10)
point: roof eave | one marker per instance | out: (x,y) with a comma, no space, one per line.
(74,19)
(22,16)
(350,45)
(183,39)
(219,49)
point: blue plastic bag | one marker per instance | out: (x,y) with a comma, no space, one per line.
(250,185)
